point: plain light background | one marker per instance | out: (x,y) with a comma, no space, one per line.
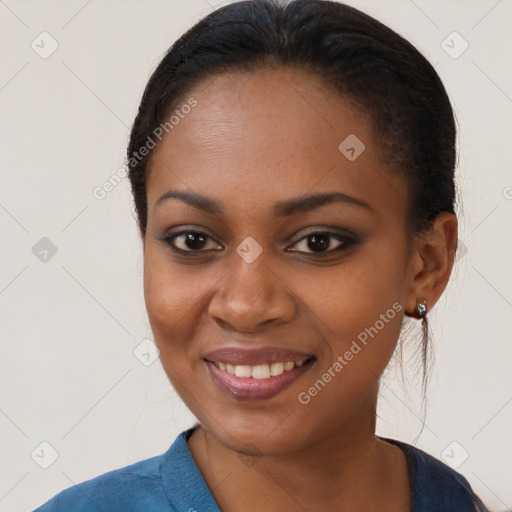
(70,323)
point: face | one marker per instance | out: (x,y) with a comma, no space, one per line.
(291,268)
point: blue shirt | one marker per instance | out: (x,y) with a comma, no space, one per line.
(173,482)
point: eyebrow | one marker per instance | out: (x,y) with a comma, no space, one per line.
(283,208)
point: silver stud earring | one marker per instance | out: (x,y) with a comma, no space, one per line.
(421,308)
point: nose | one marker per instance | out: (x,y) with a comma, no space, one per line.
(252,294)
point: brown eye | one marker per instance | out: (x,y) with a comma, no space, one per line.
(322,242)
(191,241)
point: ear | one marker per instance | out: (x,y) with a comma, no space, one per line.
(431,261)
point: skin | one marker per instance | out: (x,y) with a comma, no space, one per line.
(252,140)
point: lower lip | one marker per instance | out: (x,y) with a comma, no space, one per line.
(241,388)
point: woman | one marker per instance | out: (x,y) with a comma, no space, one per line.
(292,168)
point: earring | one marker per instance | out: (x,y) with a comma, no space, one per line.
(421,308)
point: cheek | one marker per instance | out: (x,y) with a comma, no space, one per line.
(163,292)
(170,300)
(352,296)
(360,307)
(177,298)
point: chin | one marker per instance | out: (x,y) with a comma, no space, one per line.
(270,436)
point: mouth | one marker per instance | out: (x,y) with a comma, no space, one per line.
(256,374)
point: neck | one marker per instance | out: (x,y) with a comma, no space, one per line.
(348,469)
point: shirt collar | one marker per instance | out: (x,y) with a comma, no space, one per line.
(183,482)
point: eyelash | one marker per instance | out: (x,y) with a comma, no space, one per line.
(346,241)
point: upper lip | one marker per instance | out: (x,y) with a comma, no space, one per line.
(255,356)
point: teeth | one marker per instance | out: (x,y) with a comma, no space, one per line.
(260,371)
(276,369)
(243,371)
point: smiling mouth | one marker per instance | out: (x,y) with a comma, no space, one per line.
(260,371)
(256,382)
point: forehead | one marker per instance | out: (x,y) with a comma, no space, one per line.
(269,134)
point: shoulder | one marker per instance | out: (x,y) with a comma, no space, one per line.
(138,486)
(435,485)
(119,489)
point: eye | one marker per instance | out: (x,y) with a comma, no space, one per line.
(190,241)
(321,242)
(315,242)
